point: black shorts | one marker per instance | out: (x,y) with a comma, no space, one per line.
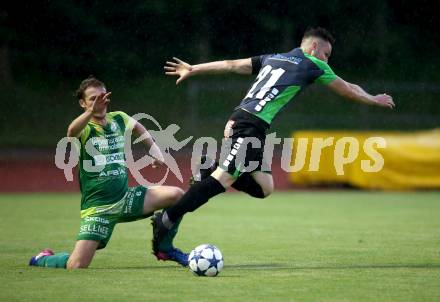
(245,136)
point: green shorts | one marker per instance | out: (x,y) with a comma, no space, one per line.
(97,223)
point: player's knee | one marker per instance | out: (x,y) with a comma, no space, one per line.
(267,190)
(176,194)
(223,177)
(263,193)
(77,263)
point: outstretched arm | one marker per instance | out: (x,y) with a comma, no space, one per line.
(356,93)
(140,131)
(184,70)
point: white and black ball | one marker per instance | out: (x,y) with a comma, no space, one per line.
(206,260)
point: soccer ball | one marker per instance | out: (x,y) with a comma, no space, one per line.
(206,260)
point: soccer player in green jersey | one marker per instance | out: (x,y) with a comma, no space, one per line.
(280,77)
(106,198)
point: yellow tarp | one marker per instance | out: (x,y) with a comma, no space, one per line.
(411,160)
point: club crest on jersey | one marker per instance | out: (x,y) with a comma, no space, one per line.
(113,126)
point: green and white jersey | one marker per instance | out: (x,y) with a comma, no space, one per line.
(110,184)
(280,78)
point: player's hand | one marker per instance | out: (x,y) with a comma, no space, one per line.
(100,102)
(384,100)
(178,68)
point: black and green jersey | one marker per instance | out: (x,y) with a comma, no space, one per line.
(103,175)
(280,78)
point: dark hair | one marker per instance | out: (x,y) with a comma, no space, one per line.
(319,32)
(91,81)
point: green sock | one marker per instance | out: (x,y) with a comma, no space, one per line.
(167,242)
(58,260)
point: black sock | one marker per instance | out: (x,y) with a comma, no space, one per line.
(247,183)
(197,195)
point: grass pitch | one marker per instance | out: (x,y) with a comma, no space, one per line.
(311,246)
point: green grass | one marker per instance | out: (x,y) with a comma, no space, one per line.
(311,246)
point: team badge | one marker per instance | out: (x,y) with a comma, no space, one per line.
(113,126)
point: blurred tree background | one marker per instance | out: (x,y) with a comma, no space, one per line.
(48,47)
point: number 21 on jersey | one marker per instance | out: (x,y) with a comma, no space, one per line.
(263,75)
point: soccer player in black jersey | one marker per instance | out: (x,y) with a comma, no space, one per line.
(280,77)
